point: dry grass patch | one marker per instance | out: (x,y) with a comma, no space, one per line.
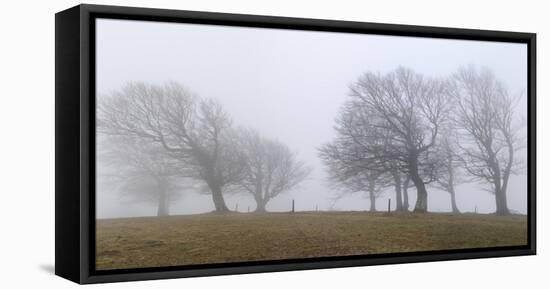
(214,238)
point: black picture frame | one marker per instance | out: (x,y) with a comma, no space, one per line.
(75,142)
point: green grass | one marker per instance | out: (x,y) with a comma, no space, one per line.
(213,238)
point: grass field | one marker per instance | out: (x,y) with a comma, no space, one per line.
(212,238)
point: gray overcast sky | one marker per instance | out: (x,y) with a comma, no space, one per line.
(290,85)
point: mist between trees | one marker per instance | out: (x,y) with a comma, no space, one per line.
(399,130)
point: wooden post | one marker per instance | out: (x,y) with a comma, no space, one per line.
(389,206)
(293,205)
(236,207)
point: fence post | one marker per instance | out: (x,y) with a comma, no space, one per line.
(236,207)
(389,206)
(293,205)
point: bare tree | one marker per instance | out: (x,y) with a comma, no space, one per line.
(271,168)
(370,180)
(368,183)
(198,133)
(394,118)
(141,171)
(490,136)
(347,169)
(351,180)
(449,174)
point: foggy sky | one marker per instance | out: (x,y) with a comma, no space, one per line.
(290,86)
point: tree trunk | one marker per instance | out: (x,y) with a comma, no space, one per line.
(260,205)
(162,205)
(406,194)
(502,203)
(422,197)
(500,193)
(398,197)
(451,183)
(372,198)
(421,192)
(213,181)
(217,198)
(453,201)
(502,200)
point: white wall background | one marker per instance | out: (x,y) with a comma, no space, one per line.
(27,144)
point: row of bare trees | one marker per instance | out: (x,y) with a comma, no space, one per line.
(401,127)
(165,135)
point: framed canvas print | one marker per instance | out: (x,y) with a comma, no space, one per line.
(194,144)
